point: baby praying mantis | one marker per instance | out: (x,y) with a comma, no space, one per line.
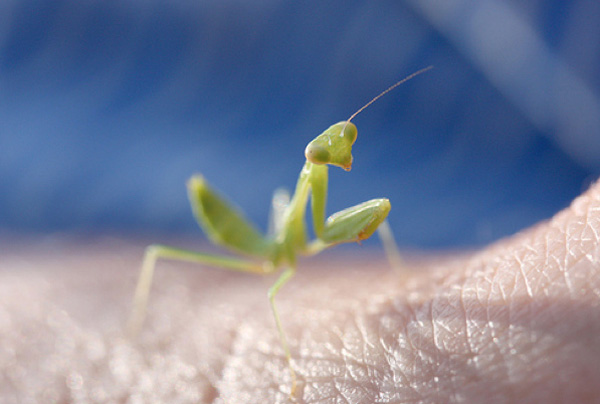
(287,238)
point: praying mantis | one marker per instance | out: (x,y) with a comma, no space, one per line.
(287,237)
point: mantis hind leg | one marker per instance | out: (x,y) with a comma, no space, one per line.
(389,245)
(155,252)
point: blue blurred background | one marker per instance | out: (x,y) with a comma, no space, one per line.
(107,107)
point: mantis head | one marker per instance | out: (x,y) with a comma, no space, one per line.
(334,146)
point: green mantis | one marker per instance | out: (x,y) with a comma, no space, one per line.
(288,237)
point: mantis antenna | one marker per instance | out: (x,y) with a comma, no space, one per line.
(390,88)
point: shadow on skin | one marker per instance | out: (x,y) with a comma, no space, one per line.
(517,321)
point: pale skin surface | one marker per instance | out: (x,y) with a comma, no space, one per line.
(517,321)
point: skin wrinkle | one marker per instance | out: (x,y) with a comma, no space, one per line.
(468,331)
(568,252)
(544,276)
(409,314)
(353,373)
(489,323)
(350,353)
(529,294)
(407,390)
(521,266)
(392,351)
(492,343)
(373,370)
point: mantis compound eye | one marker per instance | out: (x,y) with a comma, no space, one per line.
(317,154)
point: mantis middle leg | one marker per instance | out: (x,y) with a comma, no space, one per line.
(282,280)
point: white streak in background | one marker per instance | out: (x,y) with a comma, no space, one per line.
(515,59)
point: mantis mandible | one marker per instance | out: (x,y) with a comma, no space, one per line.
(287,237)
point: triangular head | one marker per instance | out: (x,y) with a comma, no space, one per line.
(334,146)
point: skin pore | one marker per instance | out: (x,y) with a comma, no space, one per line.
(516,321)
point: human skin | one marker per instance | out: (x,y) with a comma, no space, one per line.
(518,321)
